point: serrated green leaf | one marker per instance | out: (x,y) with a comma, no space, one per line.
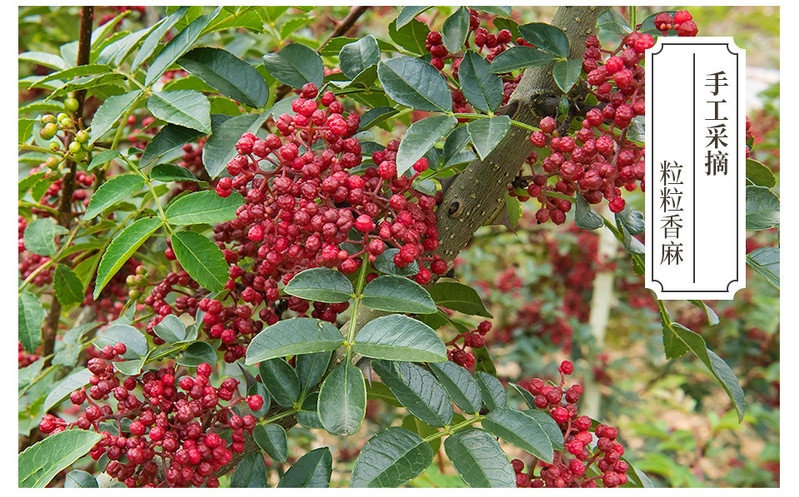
(171,329)
(171,172)
(79,479)
(391,459)
(281,380)
(311,471)
(205,207)
(133,339)
(759,174)
(549,426)
(271,438)
(398,294)
(585,217)
(455,30)
(482,88)
(520,57)
(456,296)
(112,191)
(546,37)
(40,236)
(187,108)
(414,83)
(293,336)
(522,431)
(766,261)
(611,21)
(250,472)
(421,137)
(201,258)
(42,461)
(196,354)
(169,138)
(463,389)
(27,183)
(566,73)
(228,74)
(407,14)
(66,386)
(179,45)
(385,264)
(320,285)
(762,208)
(101,158)
(311,367)
(493,392)
(356,56)
(110,111)
(294,65)
(44,59)
(342,400)
(29,321)
(417,390)
(220,147)
(68,288)
(411,36)
(400,338)
(479,459)
(121,248)
(487,133)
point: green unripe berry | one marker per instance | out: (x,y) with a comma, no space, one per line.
(71,104)
(48,118)
(134,294)
(52,162)
(65,123)
(61,116)
(82,136)
(130,281)
(53,174)
(141,270)
(140,280)
(54,145)
(75,148)
(48,131)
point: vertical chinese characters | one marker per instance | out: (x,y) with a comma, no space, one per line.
(671,194)
(716,154)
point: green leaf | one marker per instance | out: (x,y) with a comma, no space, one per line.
(762,208)
(479,459)
(171,137)
(455,30)
(171,172)
(460,384)
(421,137)
(100,159)
(293,336)
(522,431)
(68,288)
(632,219)
(480,86)
(454,146)
(121,248)
(376,116)
(40,236)
(133,339)
(356,56)
(320,284)
(27,183)
(228,74)
(509,24)
(546,37)
(566,73)
(116,52)
(487,133)
(281,380)
(220,147)
(411,36)
(385,264)
(456,296)
(68,385)
(414,83)
(204,207)
(71,344)
(398,294)
(766,261)
(549,426)
(179,45)
(311,367)
(295,65)
(258,388)
(196,354)
(44,59)
(585,217)
(407,14)
(493,392)
(678,339)
(342,400)
(520,57)
(271,438)
(378,391)
(73,72)
(112,191)
(334,46)
(400,338)
(759,174)
(39,463)
(417,390)
(391,459)
(311,471)
(79,479)
(483,361)
(250,472)
(514,209)
(525,395)
(171,329)
(712,317)
(187,108)
(611,21)
(110,112)
(154,38)
(201,258)
(495,9)
(29,321)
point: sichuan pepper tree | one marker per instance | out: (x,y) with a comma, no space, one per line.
(217,247)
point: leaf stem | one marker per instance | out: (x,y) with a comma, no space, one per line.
(358,295)
(452,429)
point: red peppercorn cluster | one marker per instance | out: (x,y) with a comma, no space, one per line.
(167,436)
(682,22)
(474,339)
(570,466)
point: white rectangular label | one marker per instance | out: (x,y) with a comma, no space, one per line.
(695,168)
